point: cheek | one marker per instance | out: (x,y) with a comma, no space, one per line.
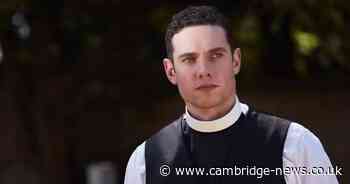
(224,74)
(184,83)
(226,78)
(229,73)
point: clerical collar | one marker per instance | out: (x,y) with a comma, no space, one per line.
(218,124)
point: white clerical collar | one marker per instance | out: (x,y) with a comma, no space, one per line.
(218,124)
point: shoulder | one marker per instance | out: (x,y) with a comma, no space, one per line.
(304,149)
(136,169)
(137,157)
(169,130)
(267,118)
(302,143)
(272,127)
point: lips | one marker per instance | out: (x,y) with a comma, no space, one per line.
(206,86)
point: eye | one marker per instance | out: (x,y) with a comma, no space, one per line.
(216,55)
(188,60)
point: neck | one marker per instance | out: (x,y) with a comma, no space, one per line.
(208,114)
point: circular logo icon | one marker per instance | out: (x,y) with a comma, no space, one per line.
(164,170)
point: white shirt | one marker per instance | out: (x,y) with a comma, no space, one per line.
(301,149)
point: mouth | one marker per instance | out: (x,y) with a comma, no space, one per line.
(206,86)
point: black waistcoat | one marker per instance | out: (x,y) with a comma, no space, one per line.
(256,140)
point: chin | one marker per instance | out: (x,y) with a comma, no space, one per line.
(207,103)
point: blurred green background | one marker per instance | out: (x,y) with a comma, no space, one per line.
(82,81)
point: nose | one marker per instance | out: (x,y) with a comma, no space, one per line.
(203,70)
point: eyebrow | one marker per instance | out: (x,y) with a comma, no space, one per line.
(188,54)
(193,54)
(218,49)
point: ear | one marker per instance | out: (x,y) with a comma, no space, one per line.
(169,70)
(236,61)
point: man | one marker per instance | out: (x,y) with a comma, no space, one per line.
(217,131)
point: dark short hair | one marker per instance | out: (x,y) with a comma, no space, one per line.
(193,16)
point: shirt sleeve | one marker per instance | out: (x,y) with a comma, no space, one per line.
(136,169)
(302,149)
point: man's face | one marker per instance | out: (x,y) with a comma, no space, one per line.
(203,66)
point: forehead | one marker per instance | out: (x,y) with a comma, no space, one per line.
(199,39)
